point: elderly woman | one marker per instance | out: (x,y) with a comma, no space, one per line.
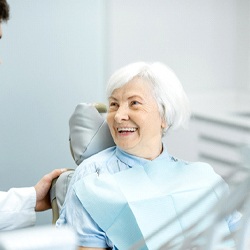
(128,192)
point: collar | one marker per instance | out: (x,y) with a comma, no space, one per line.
(133,160)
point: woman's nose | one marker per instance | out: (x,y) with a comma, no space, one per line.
(121,114)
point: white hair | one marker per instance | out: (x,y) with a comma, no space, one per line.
(168,92)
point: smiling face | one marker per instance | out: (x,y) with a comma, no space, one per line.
(134,119)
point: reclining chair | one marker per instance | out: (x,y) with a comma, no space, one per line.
(88,134)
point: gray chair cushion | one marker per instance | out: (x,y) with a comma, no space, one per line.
(88,134)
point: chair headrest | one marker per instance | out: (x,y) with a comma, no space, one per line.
(89,132)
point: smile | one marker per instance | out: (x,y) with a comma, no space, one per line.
(123,130)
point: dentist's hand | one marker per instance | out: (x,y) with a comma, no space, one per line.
(43,187)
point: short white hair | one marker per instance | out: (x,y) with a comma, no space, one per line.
(173,104)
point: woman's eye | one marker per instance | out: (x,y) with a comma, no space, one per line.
(134,103)
(113,105)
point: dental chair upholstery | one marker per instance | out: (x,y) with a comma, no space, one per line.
(88,134)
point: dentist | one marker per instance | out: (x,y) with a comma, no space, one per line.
(18,206)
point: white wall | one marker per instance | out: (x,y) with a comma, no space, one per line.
(206,42)
(53,58)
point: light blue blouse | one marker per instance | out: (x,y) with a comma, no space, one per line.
(111,161)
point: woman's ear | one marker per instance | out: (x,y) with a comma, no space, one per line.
(164,124)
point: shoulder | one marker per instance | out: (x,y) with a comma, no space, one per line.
(100,157)
(205,169)
(201,170)
(196,166)
(201,166)
(96,162)
(202,175)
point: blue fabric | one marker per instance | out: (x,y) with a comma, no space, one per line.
(102,183)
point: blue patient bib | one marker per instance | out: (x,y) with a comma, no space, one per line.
(132,205)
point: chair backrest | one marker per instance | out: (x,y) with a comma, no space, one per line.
(88,134)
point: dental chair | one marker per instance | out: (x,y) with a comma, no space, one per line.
(88,134)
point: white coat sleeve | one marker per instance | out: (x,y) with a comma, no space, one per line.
(17,208)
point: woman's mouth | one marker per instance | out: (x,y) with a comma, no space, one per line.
(126,130)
